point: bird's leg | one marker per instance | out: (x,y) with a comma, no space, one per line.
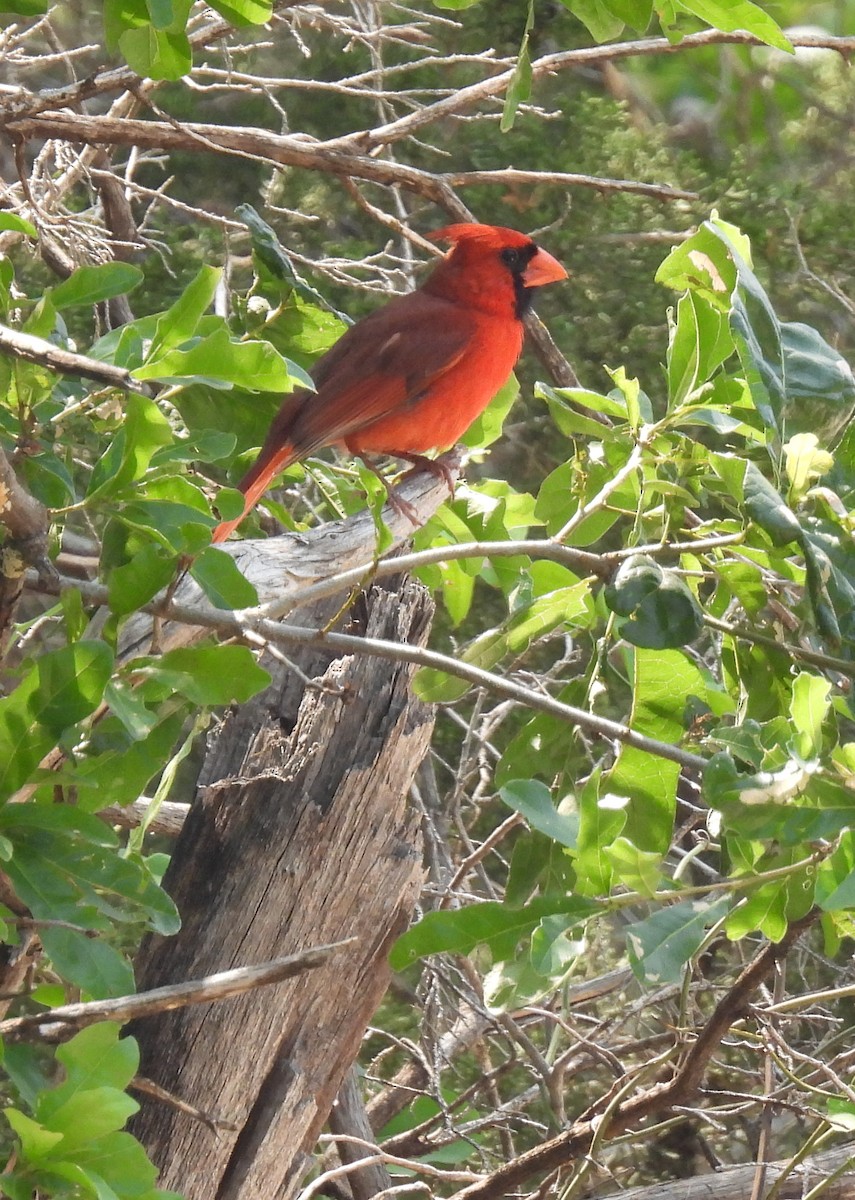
(402,507)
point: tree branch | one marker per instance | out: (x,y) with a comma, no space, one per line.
(574,1142)
(550,64)
(61,1022)
(66,362)
(281,150)
(247,625)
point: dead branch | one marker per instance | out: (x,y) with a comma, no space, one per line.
(61,1022)
(735,1182)
(563,60)
(282,150)
(183,619)
(67,362)
(560,1151)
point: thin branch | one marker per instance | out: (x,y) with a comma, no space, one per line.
(65,362)
(169,820)
(826,661)
(246,623)
(601,566)
(275,149)
(679,1089)
(550,64)
(221,986)
(510,175)
(21,102)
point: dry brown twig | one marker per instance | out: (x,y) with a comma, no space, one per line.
(61,1022)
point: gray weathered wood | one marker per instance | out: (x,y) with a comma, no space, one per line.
(735,1183)
(300,835)
(348,1116)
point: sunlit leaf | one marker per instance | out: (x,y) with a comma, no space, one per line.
(661,946)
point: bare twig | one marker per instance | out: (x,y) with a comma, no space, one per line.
(62,1021)
(66,362)
(277,149)
(679,1089)
(233,625)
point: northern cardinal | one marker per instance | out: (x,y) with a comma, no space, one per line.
(414,375)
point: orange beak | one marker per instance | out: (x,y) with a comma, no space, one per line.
(542,269)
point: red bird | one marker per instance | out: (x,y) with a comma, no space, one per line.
(414,375)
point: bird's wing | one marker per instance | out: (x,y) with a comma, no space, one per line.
(380,366)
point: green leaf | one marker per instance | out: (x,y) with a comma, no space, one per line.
(534,801)
(135,582)
(702,265)
(271,257)
(86,1116)
(95,1057)
(27,1069)
(599,16)
(89,963)
(770,907)
(538,863)
(178,528)
(566,605)
(36,1141)
(210,674)
(662,610)
(222,582)
(123,1164)
(244,12)
(487,428)
(181,320)
(763,503)
(835,878)
(207,445)
(613,405)
(810,704)
(64,868)
(62,688)
(221,361)
(25,8)
(127,704)
(731,15)
(820,386)
(144,429)
(640,870)
(117,773)
(700,342)
(664,681)
(636,13)
(797,380)
(8,220)
(840,1114)
(71,684)
(92,284)
(490,923)
(519,88)
(157,53)
(660,946)
(805,462)
(64,820)
(601,818)
(553,948)
(567,420)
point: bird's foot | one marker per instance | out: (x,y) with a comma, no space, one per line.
(434,466)
(403,508)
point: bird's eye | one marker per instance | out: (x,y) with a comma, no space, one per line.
(512,258)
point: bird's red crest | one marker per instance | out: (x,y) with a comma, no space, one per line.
(489,235)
